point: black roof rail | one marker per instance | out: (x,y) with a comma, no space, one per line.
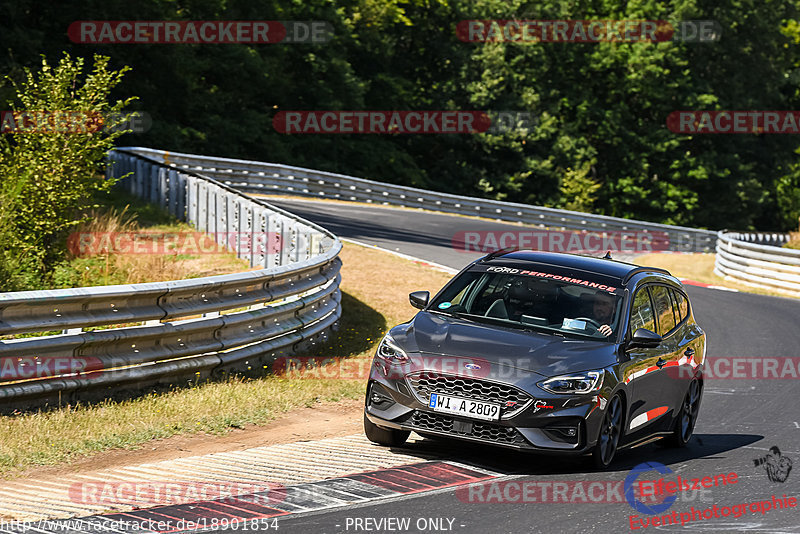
(638,270)
(496,253)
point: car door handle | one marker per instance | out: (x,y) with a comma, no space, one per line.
(689,352)
(661,363)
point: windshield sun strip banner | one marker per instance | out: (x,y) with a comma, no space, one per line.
(549,276)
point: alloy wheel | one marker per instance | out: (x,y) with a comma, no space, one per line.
(609,433)
(691,407)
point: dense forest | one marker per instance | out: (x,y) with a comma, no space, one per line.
(599,141)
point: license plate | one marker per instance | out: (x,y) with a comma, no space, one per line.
(465,407)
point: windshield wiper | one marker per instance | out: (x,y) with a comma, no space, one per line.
(460,315)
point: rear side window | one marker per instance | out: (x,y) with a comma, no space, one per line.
(681,305)
(642,312)
(663,304)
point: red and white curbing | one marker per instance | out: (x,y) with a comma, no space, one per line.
(261,510)
(709,286)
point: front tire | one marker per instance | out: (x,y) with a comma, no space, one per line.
(684,425)
(384,436)
(610,432)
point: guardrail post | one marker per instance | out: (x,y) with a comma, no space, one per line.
(183,196)
(192,216)
(259,226)
(273,251)
(247,234)
(163,188)
(236,220)
(184,332)
(202,206)
(172,192)
(153,185)
(215,214)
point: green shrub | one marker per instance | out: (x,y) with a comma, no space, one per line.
(48,178)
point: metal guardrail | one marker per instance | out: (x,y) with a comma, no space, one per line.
(184,329)
(763,238)
(258,177)
(197,328)
(745,259)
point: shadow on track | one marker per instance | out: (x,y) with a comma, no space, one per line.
(511,462)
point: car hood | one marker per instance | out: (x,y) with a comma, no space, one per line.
(545,354)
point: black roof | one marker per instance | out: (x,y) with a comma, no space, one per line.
(594,264)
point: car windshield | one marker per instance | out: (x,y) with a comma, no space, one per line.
(543,301)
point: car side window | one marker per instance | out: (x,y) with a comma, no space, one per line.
(681,305)
(642,312)
(663,304)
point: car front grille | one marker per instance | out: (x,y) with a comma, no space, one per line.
(484,431)
(424,383)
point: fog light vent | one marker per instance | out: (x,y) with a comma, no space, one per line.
(379,398)
(565,433)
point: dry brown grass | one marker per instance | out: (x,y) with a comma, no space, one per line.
(794,240)
(106,267)
(111,220)
(375,286)
(386,280)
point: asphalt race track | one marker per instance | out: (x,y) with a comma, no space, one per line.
(456,487)
(740,418)
(737,324)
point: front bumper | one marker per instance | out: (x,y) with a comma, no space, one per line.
(539,422)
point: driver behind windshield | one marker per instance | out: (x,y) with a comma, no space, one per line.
(603,311)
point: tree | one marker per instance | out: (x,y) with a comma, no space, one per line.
(600,106)
(52,157)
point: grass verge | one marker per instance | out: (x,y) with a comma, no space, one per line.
(794,240)
(123,214)
(106,260)
(375,289)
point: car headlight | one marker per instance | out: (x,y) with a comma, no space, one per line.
(575,383)
(389,351)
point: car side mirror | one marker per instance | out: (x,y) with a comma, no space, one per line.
(419,299)
(645,338)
